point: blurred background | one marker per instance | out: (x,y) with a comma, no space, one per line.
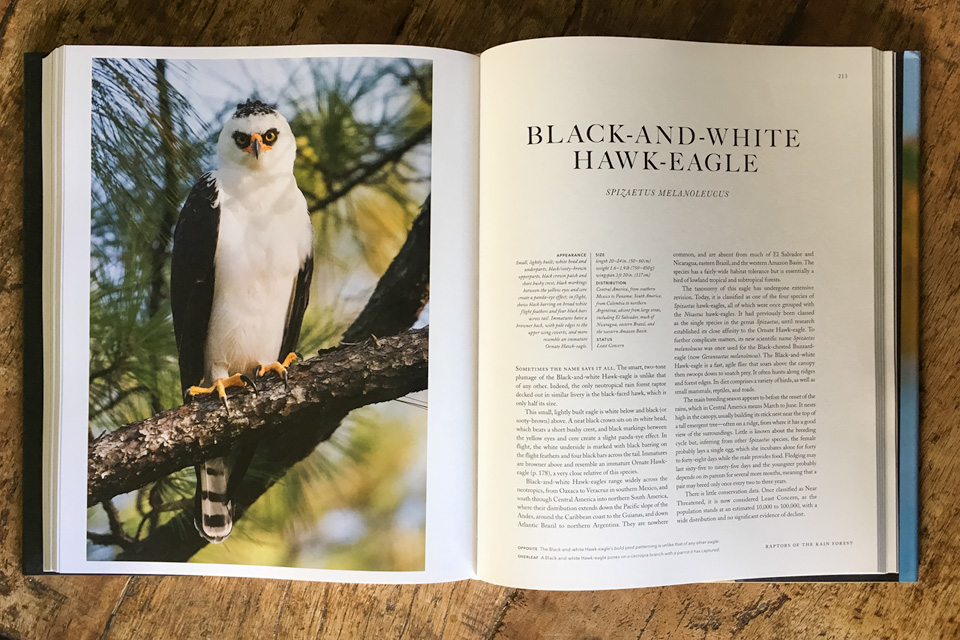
(363,163)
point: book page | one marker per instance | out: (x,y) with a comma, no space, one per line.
(677,329)
(380,148)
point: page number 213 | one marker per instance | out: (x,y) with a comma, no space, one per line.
(841,76)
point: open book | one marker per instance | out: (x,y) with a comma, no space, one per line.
(669,290)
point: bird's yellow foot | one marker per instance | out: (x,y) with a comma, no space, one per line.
(220,385)
(280,368)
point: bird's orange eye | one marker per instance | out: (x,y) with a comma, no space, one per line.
(270,136)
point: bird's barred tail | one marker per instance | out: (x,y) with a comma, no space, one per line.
(214,516)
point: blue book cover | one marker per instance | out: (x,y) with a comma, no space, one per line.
(909,314)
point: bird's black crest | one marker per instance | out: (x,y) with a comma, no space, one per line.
(253,108)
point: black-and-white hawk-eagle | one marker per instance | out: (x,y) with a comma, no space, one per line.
(239,282)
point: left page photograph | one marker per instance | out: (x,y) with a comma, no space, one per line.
(260,350)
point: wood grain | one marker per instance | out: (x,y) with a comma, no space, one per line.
(182,607)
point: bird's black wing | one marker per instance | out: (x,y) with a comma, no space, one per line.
(298,306)
(192,276)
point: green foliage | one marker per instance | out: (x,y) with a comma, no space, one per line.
(144,159)
(363,131)
(363,164)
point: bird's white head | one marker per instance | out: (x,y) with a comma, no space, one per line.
(258,138)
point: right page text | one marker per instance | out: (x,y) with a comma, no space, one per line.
(677,342)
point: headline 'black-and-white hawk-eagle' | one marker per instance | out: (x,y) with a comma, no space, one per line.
(239,281)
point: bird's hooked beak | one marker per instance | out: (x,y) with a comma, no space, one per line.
(256,146)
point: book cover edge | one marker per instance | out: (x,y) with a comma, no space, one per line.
(32,479)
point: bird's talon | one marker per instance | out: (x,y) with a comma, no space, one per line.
(249,381)
(220,386)
(280,368)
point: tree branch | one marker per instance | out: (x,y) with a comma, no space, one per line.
(337,382)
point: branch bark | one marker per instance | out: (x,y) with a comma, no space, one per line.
(337,381)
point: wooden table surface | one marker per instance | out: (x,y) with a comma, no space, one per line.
(187,607)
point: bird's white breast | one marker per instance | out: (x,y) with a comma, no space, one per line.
(264,238)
